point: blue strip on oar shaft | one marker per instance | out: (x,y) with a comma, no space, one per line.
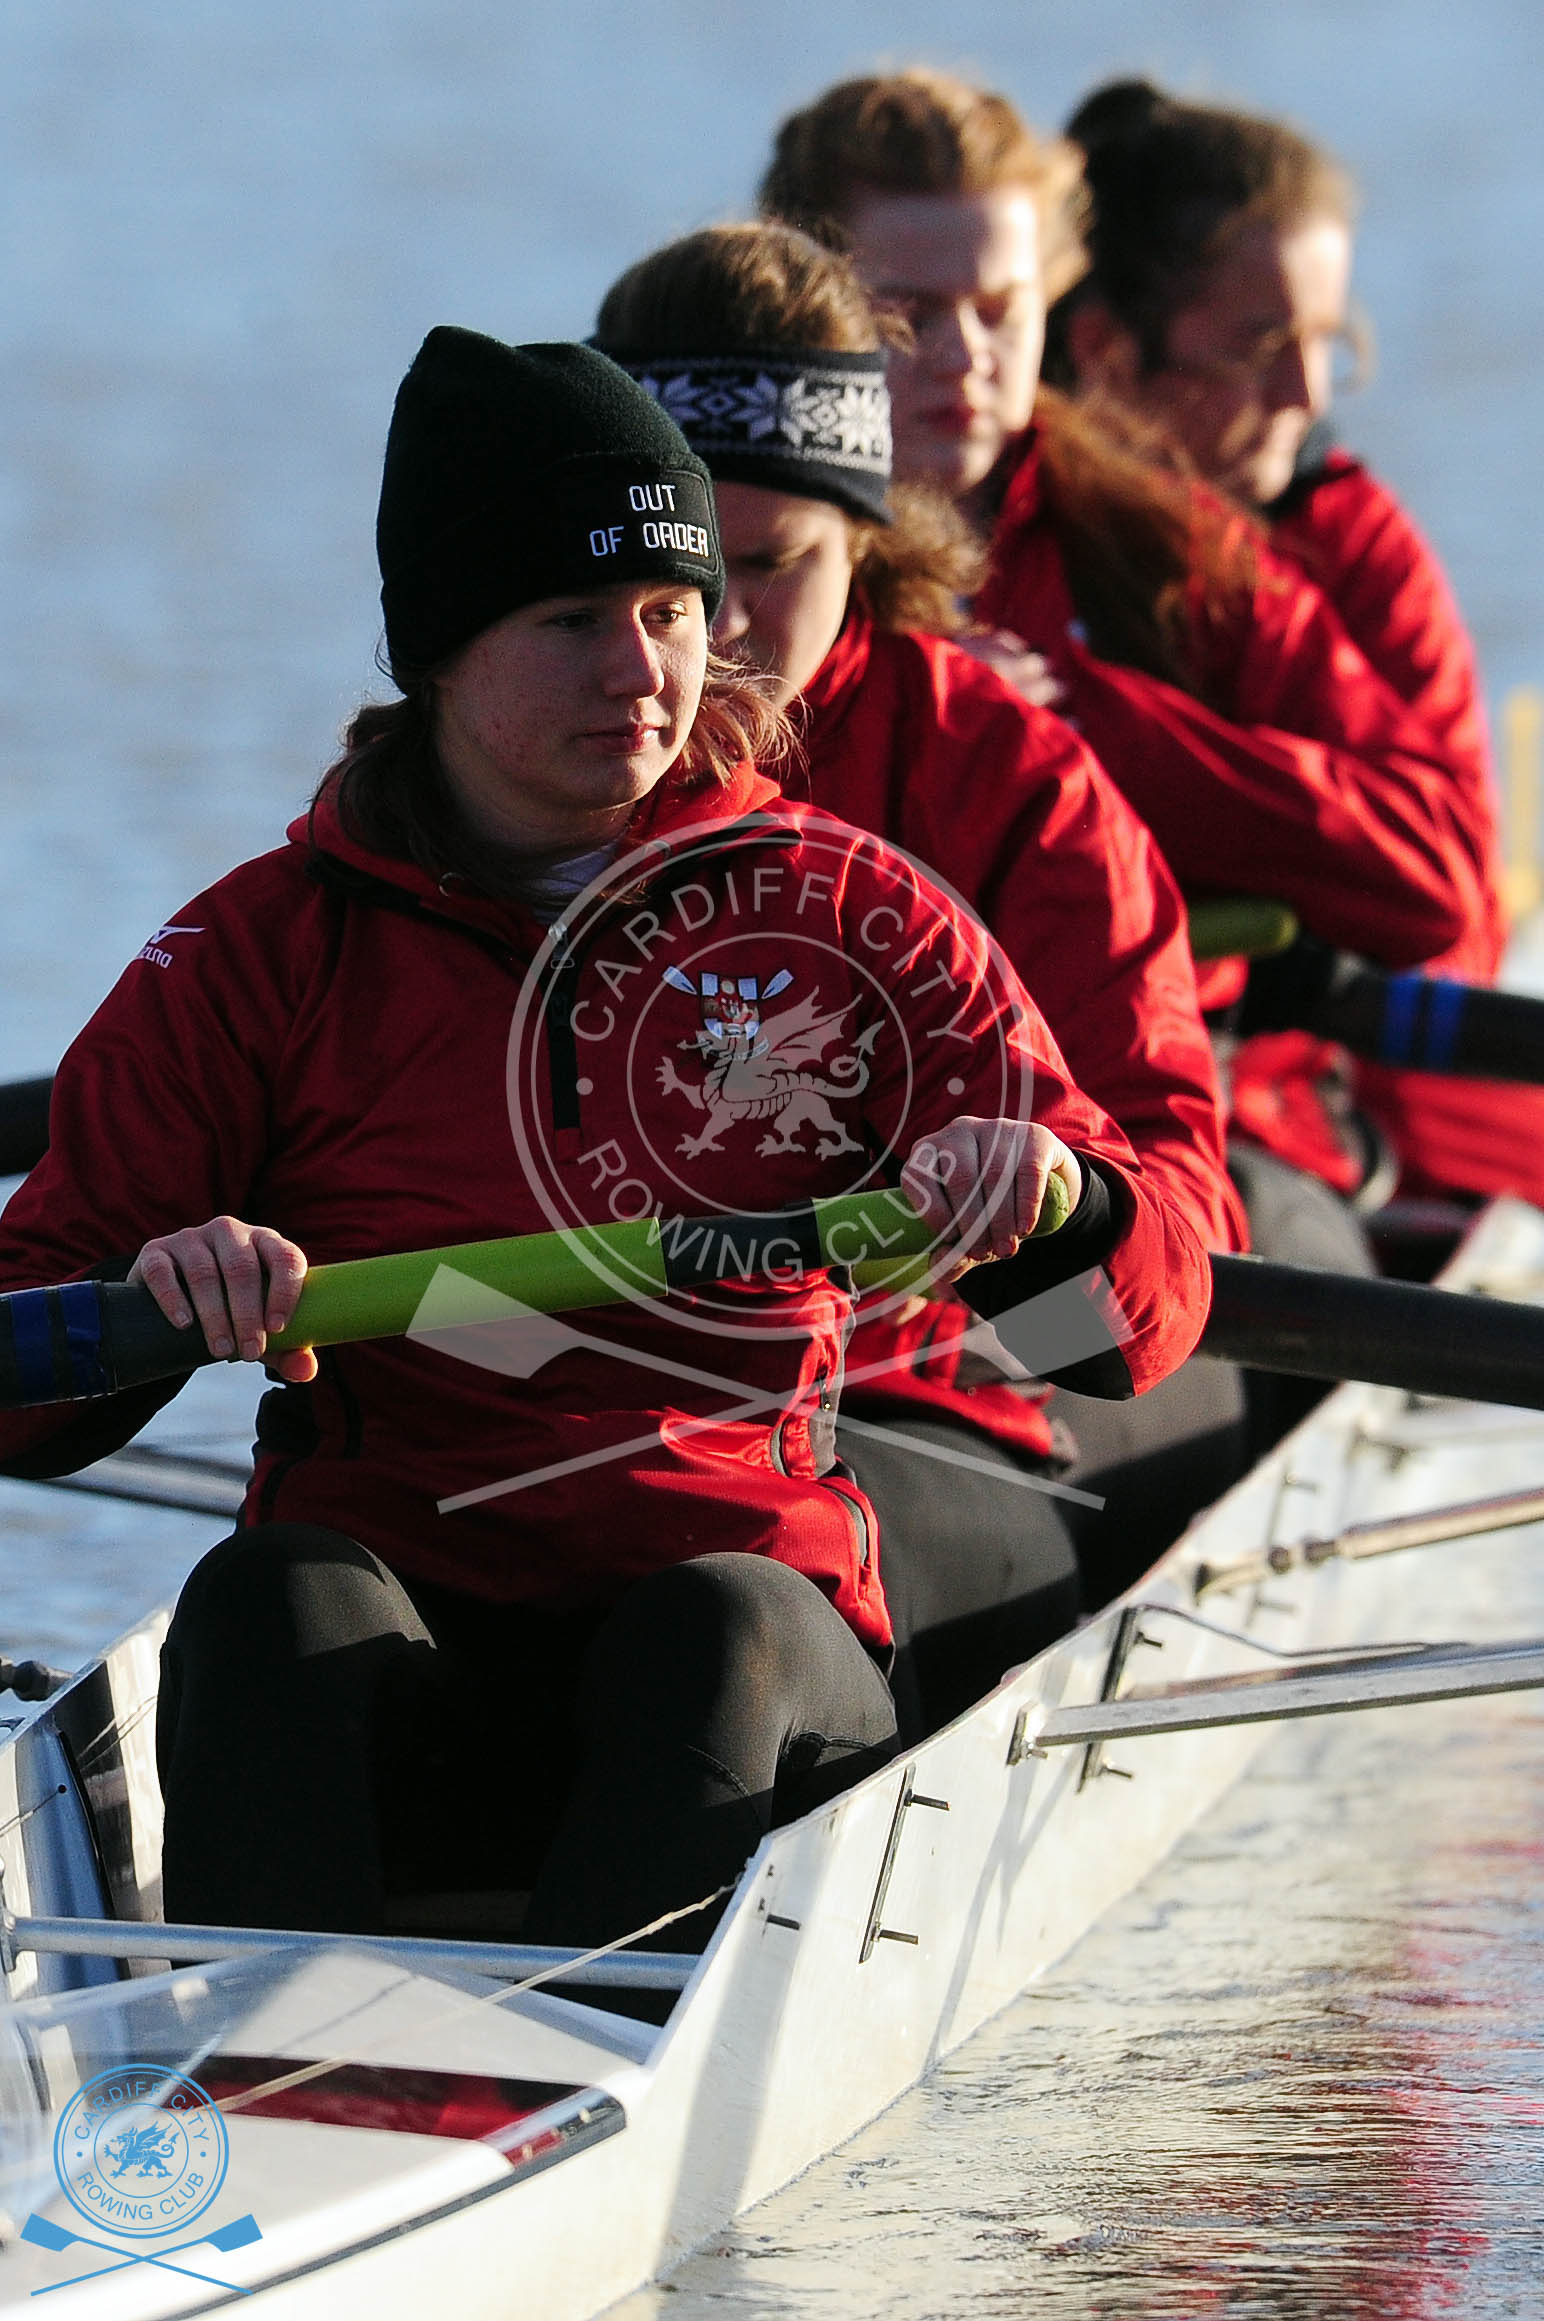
(1432,1023)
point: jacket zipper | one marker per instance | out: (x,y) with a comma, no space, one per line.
(563,991)
(775,1444)
(562,1047)
(862,1530)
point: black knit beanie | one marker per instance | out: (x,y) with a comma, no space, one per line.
(514,473)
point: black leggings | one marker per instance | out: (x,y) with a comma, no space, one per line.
(330,1735)
(981,1572)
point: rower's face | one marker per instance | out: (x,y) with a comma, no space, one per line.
(788,562)
(1249,365)
(556,720)
(965,272)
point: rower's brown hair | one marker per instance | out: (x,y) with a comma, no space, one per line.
(1143,555)
(1170,186)
(918,131)
(392,795)
(759,288)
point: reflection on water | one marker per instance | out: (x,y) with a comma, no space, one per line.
(1298,2074)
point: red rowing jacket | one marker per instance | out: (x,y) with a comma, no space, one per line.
(765,1006)
(1318,787)
(909,736)
(1354,540)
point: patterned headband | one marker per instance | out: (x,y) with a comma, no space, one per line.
(817,424)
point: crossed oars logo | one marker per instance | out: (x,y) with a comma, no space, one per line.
(463,1317)
(156,2132)
(57,2238)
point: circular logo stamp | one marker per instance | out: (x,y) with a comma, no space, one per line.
(740,1023)
(141,2150)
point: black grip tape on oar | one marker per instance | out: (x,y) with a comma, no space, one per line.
(85,1339)
(1421,1023)
(23,1124)
(696,1251)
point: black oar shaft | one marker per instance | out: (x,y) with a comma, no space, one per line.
(1429,1023)
(84,1339)
(1420,1023)
(1389,1333)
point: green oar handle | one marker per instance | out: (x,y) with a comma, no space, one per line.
(1240,927)
(594,1265)
(89,1338)
(916,1272)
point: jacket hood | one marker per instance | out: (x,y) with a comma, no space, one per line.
(669,809)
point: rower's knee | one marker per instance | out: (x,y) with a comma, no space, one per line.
(730,1615)
(738,1656)
(287,1625)
(295,1589)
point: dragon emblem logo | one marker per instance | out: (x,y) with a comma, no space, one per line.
(148,2151)
(767,1068)
(138,2151)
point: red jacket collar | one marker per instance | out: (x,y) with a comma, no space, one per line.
(831,689)
(672,808)
(1023,496)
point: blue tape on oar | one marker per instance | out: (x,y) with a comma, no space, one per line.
(81,1302)
(1400,1006)
(32,1342)
(1444,1015)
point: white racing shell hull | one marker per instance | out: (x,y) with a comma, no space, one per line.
(864,1943)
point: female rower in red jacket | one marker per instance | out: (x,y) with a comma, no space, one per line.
(764,347)
(548,951)
(1216,305)
(1214,683)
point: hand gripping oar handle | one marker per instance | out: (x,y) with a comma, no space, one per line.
(85,1339)
(1425,1023)
(89,1338)
(918,1271)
